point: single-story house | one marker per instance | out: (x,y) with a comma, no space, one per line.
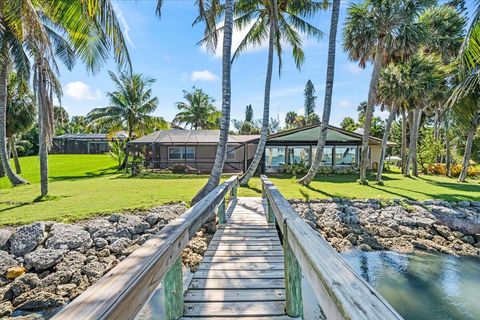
(197,148)
(84,143)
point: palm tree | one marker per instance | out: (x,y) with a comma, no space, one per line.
(277,21)
(198,111)
(327,105)
(290,119)
(21,113)
(130,107)
(380,31)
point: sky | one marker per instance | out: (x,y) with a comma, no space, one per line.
(166,49)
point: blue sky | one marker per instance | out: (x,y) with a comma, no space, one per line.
(166,50)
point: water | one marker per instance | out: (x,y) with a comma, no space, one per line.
(423,285)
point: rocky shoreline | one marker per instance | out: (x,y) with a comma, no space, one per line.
(44,265)
(397,225)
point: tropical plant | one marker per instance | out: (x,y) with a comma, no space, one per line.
(290,119)
(327,108)
(278,22)
(21,113)
(380,31)
(117,150)
(197,111)
(131,106)
(348,124)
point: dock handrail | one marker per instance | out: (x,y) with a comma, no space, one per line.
(339,290)
(124,290)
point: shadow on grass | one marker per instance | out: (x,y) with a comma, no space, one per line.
(14,205)
(336,178)
(86,175)
(468,187)
(162,176)
(316,190)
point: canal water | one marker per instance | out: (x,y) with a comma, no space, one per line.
(423,285)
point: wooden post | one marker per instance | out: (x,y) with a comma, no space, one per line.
(270,214)
(293,280)
(233,191)
(173,288)
(221,212)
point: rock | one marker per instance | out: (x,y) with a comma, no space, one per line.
(371,242)
(130,249)
(27,238)
(5,235)
(386,232)
(458,234)
(444,231)
(15,272)
(6,308)
(119,245)
(65,236)
(198,245)
(132,224)
(66,290)
(24,283)
(57,278)
(364,247)
(464,204)
(100,228)
(43,259)
(468,239)
(37,300)
(114,217)
(152,218)
(419,245)
(93,269)
(72,261)
(6,262)
(100,243)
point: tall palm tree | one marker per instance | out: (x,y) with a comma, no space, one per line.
(277,21)
(131,106)
(198,111)
(21,113)
(380,31)
(327,105)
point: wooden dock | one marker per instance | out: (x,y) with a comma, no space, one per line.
(242,272)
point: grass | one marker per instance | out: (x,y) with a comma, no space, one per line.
(82,186)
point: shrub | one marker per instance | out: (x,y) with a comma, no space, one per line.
(437,168)
(296,168)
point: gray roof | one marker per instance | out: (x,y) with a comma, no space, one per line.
(90,136)
(176,136)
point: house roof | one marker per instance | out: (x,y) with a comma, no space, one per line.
(91,136)
(176,136)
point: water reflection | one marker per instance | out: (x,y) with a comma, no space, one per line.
(423,285)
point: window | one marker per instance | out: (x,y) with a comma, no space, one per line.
(231,152)
(274,156)
(326,156)
(345,156)
(298,155)
(181,153)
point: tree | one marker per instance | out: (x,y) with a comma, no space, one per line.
(348,124)
(248,113)
(290,119)
(310,98)
(278,24)
(317,159)
(21,113)
(379,31)
(117,150)
(198,111)
(130,106)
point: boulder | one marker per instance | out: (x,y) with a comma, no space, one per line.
(15,272)
(119,245)
(43,259)
(100,228)
(100,243)
(24,283)
(6,309)
(133,224)
(93,269)
(37,300)
(6,262)
(5,235)
(27,238)
(370,241)
(152,218)
(66,236)
(57,278)
(66,290)
(72,261)
(198,245)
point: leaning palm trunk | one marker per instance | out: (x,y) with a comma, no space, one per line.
(448,152)
(2,171)
(317,159)
(266,106)
(403,151)
(372,95)
(388,125)
(15,180)
(221,153)
(468,152)
(13,151)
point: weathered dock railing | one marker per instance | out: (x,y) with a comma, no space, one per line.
(122,292)
(339,290)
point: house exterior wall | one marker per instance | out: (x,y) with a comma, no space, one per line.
(375,154)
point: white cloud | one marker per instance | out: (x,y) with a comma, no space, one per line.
(353,68)
(345,103)
(286,92)
(204,75)
(81,91)
(123,22)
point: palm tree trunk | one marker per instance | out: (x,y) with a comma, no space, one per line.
(266,103)
(412,148)
(411,116)
(372,95)
(124,164)
(327,106)
(15,180)
(221,153)
(417,130)
(388,125)
(403,151)
(13,151)
(448,151)
(468,152)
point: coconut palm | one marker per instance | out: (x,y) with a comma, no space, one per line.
(21,113)
(380,31)
(327,105)
(131,106)
(197,111)
(278,22)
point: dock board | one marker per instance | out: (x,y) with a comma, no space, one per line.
(242,273)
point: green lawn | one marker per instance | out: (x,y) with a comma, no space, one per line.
(86,185)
